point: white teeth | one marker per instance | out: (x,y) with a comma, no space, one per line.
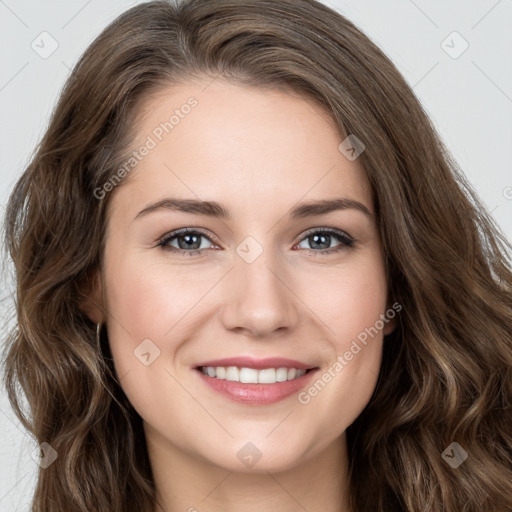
(232,373)
(282,374)
(251,375)
(267,376)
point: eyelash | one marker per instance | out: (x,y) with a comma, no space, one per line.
(346,241)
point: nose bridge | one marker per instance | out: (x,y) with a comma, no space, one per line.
(259,300)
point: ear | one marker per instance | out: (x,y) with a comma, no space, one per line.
(92,297)
(391,315)
(389,327)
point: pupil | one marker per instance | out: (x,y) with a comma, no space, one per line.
(189,238)
(317,237)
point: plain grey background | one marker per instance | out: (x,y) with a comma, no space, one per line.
(456,54)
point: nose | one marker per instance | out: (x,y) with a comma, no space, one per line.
(260,300)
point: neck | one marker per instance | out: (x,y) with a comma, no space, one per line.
(186,483)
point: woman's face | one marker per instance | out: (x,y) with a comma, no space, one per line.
(273,278)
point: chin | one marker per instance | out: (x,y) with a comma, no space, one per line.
(248,457)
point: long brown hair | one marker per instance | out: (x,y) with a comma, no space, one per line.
(446,374)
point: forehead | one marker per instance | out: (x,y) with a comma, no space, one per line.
(238,145)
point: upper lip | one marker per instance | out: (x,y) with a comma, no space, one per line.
(258,364)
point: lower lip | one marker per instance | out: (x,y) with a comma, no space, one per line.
(257,394)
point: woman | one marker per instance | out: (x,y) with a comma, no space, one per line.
(182,340)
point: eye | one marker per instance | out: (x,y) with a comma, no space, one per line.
(184,241)
(321,239)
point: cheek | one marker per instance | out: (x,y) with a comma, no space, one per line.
(349,300)
(143,304)
(360,327)
(150,299)
(351,306)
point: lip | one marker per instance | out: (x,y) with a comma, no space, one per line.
(257,394)
(257,364)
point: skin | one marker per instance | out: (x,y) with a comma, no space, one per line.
(259,153)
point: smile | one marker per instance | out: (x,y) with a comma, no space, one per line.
(255,382)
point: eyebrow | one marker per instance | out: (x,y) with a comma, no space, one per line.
(214,209)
